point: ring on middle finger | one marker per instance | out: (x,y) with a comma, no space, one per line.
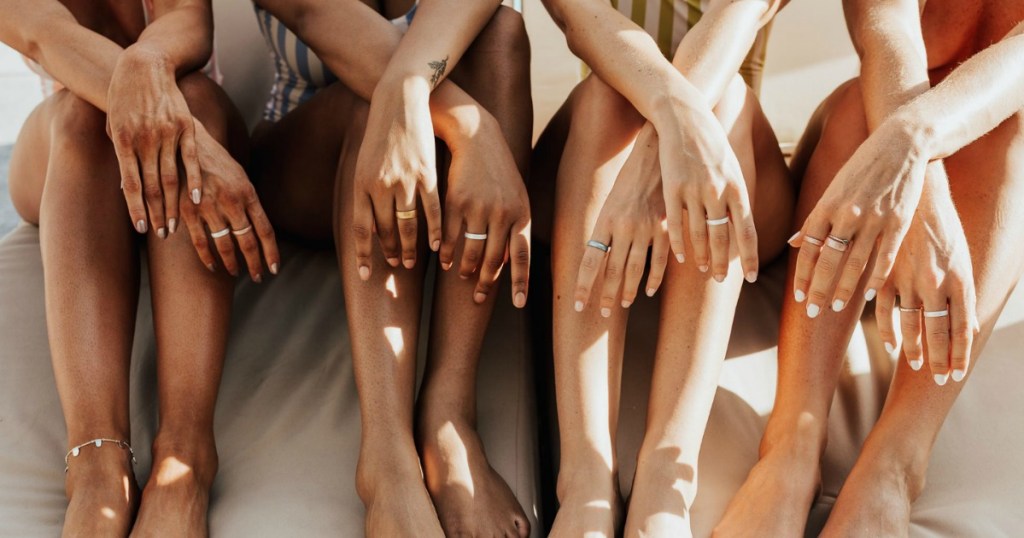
(598,245)
(837,243)
(936,313)
(910,310)
(405,215)
(718,222)
(243,231)
(220,233)
(813,241)
(478,237)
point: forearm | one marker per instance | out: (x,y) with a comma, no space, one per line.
(180,34)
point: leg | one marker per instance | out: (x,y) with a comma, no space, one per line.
(696,319)
(987,181)
(191,313)
(587,347)
(810,357)
(64,176)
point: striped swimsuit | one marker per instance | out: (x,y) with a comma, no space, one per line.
(298,72)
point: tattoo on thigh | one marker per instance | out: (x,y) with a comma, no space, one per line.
(439,67)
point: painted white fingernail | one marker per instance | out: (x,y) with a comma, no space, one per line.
(680,258)
(606,312)
(196,197)
(435,245)
(141,226)
(719,278)
(889,348)
(258,278)
(916,364)
(651,292)
(958,375)
(172,225)
(794,238)
(703,268)
(799,295)
(940,379)
(625,304)
(870,294)
(273,270)
(161,233)
(520,300)
(752,277)
(211,267)
(812,310)
(579,306)
(838,305)
(364,272)
(479,297)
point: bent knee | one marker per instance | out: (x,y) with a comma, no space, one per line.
(209,104)
(599,108)
(76,119)
(506,31)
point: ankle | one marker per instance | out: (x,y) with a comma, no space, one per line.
(903,462)
(392,464)
(583,477)
(804,436)
(178,455)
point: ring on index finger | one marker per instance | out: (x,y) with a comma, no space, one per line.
(478,237)
(936,313)
(837,243)
(243,231)
(406,215)
(220,233)
(718,222)
(598,245)
(813,241)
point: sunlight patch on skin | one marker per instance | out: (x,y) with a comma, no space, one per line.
(107,512)
(394,336)
(127,489)
(171,470)
(456,451)
(391,286)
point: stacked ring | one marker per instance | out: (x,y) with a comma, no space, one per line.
(406,215)
(813,240)
(716,222)
(243,231)
(598,245)
(936,313)
(837,243)
(478,237)
(220,233)
(906,310)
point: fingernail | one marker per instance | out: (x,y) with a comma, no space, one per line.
(273,269)
(837,305)
(889,348)
(480,297)
(161,233)
(196,196)
(409,264)
(579,306)
(364,272)
(703,268)
(141,226)
(606,312)
(812,310)
(958,375)
(792,239)
(172,225)
(719,278)
(625,304)
(520,300)
(940,379)
(651,292)
(446,265)
(799,295)
(211,267)
(752,277)
(680,258)
(435,245)
(870,294)
(916,364)
(258,278)
(393,262)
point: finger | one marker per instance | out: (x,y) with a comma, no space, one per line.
(936,328)
(432,212)
(811,241)
(197,232)
(473,248)
(853,267)
(264,232)
(674,215)
(961,312)
(883,317)
(698,234)
(495,248)
(910,326)
(242,232)
(659,260)
(452,234)
(718,240)
(169,185)
(362,233)
(614,267)
(824,276)
(220,233)
(590,265)
(745,235)
(152,192)
(519,254)
(190,160)
(635,263)
(885,258)
(407,230)
(131,187)
(384,220)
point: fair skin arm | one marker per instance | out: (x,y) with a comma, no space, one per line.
(708,57)
(365,50)
(147,114)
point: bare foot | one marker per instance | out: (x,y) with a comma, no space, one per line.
(874,501)
(396,499)
(776,498)
(176,498)
(102,494)
(589,505)
(663,490)
(470,497)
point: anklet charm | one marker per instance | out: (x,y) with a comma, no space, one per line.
(76,450)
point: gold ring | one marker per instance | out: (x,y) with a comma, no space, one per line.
(406,215)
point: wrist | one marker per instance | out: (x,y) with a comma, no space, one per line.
(914,133)
(139,56)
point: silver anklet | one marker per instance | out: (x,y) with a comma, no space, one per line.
(75,450)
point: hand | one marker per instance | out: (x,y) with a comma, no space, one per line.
(396,162)
(932,273)
(631,220)
(149,123)
(871,201)
(700,172)
(229,209)
(486,195)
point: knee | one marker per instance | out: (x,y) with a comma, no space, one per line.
(599,108)
(842,113)
(210,105)
(506,32)
(76,119)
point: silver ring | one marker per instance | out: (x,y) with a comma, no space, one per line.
(936,313)
(906,310)
(813,240)
(478,237)
(243,231)
(220,233)
(837,243)
(598,245)
(716,222)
